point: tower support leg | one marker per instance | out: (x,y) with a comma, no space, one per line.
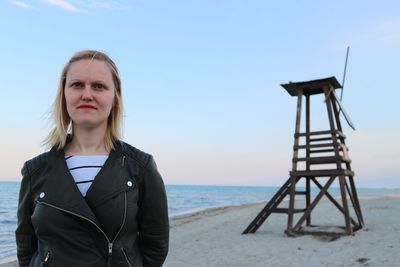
(291,205)
(349,229)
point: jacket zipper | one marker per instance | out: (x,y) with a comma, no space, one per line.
(47,257)
(126,257)
(110,244)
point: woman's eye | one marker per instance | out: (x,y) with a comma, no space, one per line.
(77,85)
(98,86)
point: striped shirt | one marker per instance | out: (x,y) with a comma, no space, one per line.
(84,169)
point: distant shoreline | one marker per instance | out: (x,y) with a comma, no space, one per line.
(240,185)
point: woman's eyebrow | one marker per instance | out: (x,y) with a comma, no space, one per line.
(99,81)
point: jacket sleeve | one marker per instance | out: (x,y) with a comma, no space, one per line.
(153,217)
(24,234)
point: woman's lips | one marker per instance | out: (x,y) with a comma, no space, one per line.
(86,107)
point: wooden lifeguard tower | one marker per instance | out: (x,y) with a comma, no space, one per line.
(324,156)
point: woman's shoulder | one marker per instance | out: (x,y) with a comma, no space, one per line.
(34,164)
(135,154)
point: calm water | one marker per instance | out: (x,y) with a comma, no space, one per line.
(181,199)
(8,217)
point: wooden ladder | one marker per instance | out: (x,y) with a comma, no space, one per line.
(272,207)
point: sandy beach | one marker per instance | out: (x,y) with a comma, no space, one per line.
(213,238)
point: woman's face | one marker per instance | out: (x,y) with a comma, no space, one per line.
(89,93)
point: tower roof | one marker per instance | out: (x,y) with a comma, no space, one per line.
(311,87)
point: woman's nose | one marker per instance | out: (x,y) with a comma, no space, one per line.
(87,93)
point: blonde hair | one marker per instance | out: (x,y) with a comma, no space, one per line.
(63,126)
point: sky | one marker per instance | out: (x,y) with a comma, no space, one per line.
(201,80)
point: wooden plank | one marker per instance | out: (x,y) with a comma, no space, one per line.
(356,204)
(297,129)
(329,103)
(322,160)
(315,133)
(321,139)
(286,210)
(349,230)
(321,173)
(294,166)
(346,116)
(296,147)
(321,151)
(308,199)
(291,204)
(337,118)
(319,233)
(351,196)
(321,133)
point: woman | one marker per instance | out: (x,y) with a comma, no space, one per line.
(92,200)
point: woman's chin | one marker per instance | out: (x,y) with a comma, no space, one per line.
(89,125)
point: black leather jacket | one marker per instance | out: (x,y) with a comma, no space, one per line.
(122,221)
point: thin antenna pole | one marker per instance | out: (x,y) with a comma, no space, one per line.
(344,72)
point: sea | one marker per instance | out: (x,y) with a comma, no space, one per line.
(182,199)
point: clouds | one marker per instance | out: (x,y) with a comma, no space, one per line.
(21,4)
(64,5)
(72,6)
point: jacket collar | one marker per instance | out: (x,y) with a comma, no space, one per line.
(61,191)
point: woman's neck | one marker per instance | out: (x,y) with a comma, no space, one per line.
(86,142)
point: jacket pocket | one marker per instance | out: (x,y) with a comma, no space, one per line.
(126,258)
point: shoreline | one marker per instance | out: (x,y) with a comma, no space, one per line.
(209,230)
(200,211)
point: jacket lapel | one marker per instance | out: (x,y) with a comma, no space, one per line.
(111,180)
(60,189)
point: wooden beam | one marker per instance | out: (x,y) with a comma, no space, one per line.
(332,199)
(349,230)
(314,203)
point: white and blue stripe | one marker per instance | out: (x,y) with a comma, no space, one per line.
(84,169)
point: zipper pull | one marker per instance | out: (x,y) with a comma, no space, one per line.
(110,246)
(123,161)
(46,259)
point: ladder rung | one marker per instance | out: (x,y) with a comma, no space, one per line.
(322,151)
(313,133)
(320,139)
(321,173)
(300,193)
(286,210)
(322,160)
(314,146)
(320,133)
